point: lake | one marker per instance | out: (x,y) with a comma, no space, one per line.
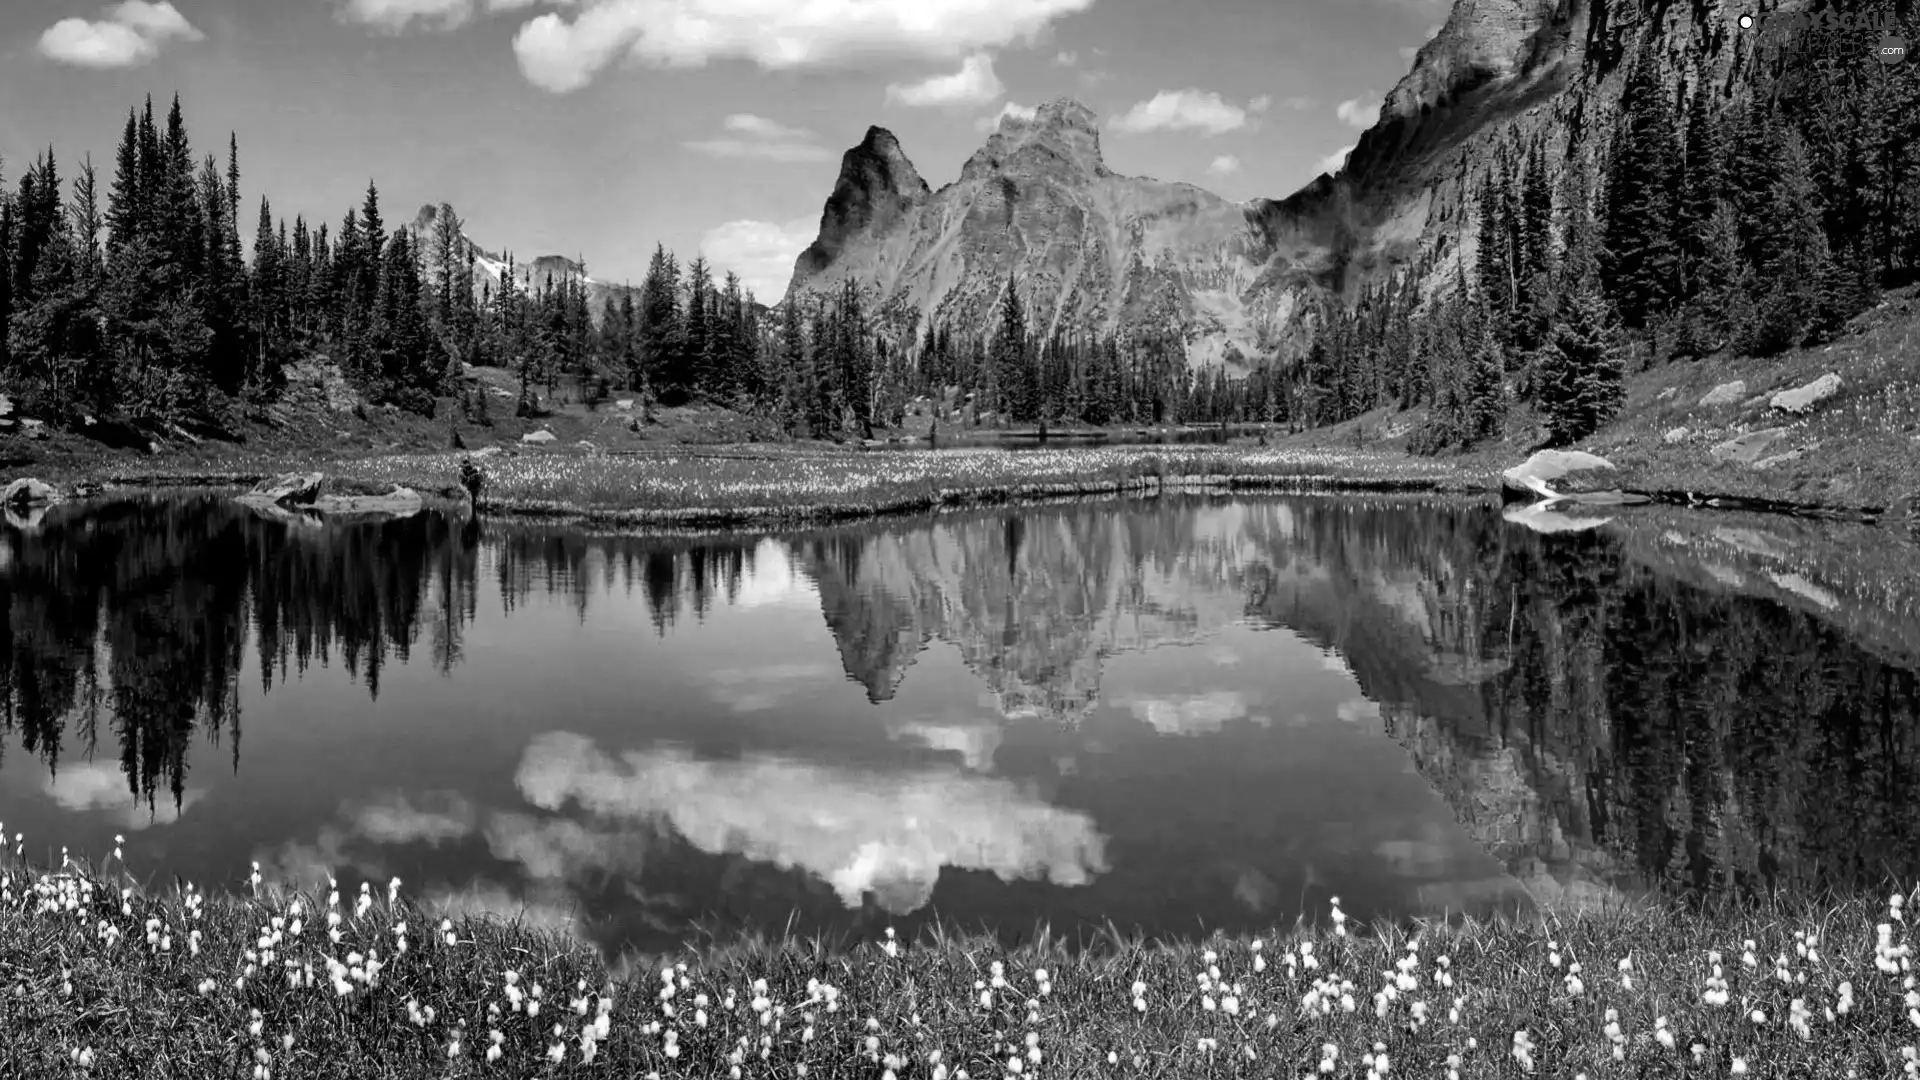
(1169,715)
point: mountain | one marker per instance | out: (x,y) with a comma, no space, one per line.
(1092,251)
(490,267)
(1095,251)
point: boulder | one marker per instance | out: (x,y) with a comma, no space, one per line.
(288,488)
(1725,394)
(6,406)
(1801,400)
(27,491)
(33,429)
(624,404)
(1749,448)
(398,503)
(539,438)
(1549,466)
(1665,394)
(1677,435)
(485,452)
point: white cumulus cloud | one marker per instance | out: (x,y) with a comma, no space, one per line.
(750,136)
(1361,112)
(974,84)
(1224,165)
(1333,162)
(761,252)
(1011,110)
(1066,58)
(129,33)
(562,55)
(1176,110)
(394,16)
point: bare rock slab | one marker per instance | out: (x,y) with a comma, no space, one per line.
(287,488)
(1727,393)
(1549,467)
(1802,400)
(1749,448)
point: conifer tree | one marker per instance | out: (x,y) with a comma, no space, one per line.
(1642,261)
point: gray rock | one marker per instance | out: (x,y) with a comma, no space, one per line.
(27,491)
(539,438)
(6,405)
(1667,393)
(1792,455)
(624,404)
(33,429)
(1725,393)
(287,488)
(1677,435)
(1547,466)
(398,503)
(1801,400)
(1749,448)
(485,452)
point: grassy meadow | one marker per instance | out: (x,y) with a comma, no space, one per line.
(101,977)
(739,487)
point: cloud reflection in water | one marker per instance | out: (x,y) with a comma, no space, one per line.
(888,833)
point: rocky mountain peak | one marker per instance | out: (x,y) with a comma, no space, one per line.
(877,185)
(1062,137)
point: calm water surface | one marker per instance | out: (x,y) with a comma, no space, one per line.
(1174,715)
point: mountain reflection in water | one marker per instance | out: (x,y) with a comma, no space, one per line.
(1176,715)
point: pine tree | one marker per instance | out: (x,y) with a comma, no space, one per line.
(1009,356)
(1794,256)
(1702,185)
(1642,264)
(1582,378)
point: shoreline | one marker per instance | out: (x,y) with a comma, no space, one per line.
(760,496)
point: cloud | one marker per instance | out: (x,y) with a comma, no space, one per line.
(860,831)
(767,140)
(763,139)
(131,33)
(96,786)
(974,84)
(394,16)
(1189,109)
(1333,162)
(761,252)
(1298,103)
(1192,714)
(757,689)
(1260,103)
(761,127)
(1013,110)
(1408,52)
(1361,112)
(559,55)
(1224,165)
(1066,58)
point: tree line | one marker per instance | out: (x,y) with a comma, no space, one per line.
(1754,212)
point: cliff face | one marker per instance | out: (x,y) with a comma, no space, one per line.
(1089,250)
(1094,251)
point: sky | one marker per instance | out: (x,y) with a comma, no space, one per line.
(598,128)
